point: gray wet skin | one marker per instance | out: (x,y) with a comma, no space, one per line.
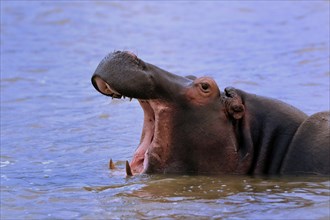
(191,127)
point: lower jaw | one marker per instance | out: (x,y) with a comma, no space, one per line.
(137,164)
(151,162)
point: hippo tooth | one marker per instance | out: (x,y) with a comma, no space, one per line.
(128,169)
(111,165)
(130,99)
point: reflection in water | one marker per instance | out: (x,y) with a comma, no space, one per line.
(218,196)
(58,133)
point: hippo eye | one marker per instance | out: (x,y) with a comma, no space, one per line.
(205,87)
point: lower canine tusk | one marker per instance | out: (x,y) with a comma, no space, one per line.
(128,169)
(111,165)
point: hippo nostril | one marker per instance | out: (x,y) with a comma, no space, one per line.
(131,54)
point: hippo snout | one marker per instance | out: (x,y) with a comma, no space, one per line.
(123,74)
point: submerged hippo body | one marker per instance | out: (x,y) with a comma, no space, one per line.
(192,127)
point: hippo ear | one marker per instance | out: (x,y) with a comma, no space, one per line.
(237,111)
(234,104)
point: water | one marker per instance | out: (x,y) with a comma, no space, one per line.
(58,133)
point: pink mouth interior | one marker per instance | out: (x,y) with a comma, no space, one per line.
(155,139)
(138,163)
(155,136)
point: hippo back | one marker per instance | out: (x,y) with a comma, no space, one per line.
(309,151)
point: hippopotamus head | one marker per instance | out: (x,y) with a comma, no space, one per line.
(187,120)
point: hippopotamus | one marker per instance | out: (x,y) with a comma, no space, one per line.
(191,127)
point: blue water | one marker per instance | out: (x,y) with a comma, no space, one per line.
(58,133)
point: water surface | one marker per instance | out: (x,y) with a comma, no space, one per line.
(58,133)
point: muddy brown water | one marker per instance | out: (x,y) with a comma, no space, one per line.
(58,133)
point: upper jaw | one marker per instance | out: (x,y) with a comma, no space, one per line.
(108,89)
(123,74)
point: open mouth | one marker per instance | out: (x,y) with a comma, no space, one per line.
(150,140)
(140,159)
